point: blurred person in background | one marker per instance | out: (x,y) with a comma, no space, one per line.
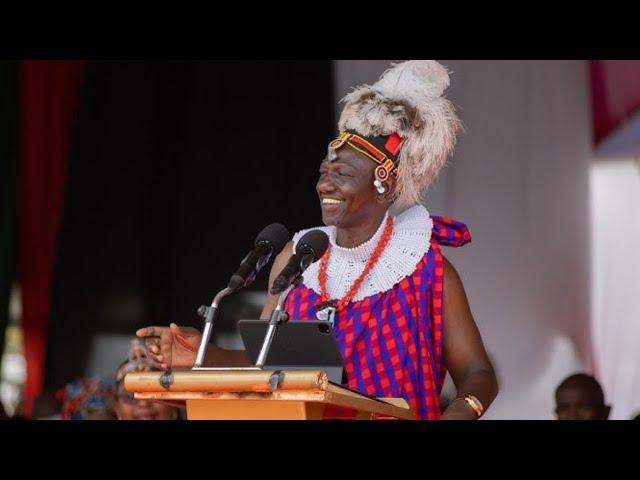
(47,406)
(580,397)
(89,399)
(126,406)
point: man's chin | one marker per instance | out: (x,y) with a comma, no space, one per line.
(329,220)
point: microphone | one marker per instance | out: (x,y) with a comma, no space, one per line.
(310,247)
(270,241)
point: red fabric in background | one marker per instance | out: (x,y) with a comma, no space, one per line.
(50,91)
(615,94)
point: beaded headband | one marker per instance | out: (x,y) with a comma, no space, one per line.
(382,150)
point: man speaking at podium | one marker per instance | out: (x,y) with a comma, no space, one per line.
(398,307)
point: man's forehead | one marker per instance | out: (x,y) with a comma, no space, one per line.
(573,393)
(347,156)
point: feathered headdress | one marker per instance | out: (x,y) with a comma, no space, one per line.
(407,100)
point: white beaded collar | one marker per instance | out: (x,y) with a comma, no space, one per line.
(408,244)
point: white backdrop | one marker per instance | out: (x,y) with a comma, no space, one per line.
(520,180)
(615,187)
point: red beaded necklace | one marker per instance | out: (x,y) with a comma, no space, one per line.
(322,272)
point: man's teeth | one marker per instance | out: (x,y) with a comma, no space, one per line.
(330,201)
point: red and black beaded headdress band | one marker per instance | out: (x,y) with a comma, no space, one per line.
(383,150)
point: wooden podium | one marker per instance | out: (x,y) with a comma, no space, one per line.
(248,395)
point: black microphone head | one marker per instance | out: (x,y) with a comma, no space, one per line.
(314,242)
(269,242)
(275,235)
(310,248)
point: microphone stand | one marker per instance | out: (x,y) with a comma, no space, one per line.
(278,316)
(209,313)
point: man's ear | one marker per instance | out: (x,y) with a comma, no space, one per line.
(390,186)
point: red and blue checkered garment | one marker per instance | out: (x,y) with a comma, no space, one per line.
(391,342)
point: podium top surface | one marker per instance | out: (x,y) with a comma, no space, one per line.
(239,384)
